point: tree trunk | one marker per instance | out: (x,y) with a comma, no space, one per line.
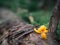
(54,19)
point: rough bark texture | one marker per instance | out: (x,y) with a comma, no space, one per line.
(12,26)
(54,19)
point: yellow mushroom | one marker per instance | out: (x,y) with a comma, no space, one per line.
(36,31)
(42,27)
(42,31)
(46,31)
(43,36)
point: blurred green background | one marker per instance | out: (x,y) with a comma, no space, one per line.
(37,10)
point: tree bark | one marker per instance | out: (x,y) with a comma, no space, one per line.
(54,19)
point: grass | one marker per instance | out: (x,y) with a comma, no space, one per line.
(40,17)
